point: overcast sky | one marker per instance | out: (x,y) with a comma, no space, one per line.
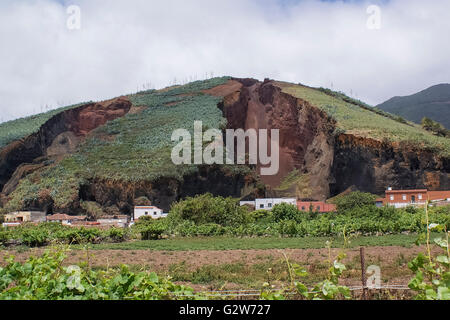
(123,45)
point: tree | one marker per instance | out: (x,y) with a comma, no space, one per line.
(355,200)
(206,208)
(427,124)
(285,211)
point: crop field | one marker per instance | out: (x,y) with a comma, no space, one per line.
(281,262)
(359,121)
(219,264)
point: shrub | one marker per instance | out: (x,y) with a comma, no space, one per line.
(354,200)
(34,237)
(4,236)
(285,211)
(261,216)
(83,235)
(117,234)
(154,230)
(204,209)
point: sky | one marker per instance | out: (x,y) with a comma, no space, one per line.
(125,46)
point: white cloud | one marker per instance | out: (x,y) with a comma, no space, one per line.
(124,44)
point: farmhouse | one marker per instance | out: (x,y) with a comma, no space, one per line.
(148,211)
(268,203)
(415,197)
(25,216)
(316,206)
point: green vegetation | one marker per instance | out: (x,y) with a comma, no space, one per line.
(206,209)
(357,215)
(256,243)
(435,127)
(354,200)
(55,233)
(432,103)
(136,147)
(207,216)
(21,128)
(356,118)
(45,278)
(432,274)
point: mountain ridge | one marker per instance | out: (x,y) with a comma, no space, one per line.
(433,103)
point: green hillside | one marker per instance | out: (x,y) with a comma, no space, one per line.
(136,147)
(433,103)
(23,127)
(359,119)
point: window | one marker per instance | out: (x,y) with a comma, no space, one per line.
(392,198)
(420,197)
(154,213)
(303,208)
(404,197)
(261,206)
(318,208)
(270,205)
(146,213)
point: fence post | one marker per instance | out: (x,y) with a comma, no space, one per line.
(363,273)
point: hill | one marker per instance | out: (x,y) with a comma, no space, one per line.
(433,103)
(104,157)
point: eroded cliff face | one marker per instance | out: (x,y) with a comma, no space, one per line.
(306,141)
(165,191)
(327,164)
(57,137)
(372,166)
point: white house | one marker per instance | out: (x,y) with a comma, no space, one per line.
(269,203)
(148,211)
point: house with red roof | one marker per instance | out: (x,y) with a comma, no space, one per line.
(413,197)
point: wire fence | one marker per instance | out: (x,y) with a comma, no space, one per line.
(257,293)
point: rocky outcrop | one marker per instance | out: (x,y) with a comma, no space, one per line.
(58,135)
(372,166)
(165,191)
(306,133)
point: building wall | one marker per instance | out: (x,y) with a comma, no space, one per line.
(153,212)
(26,216)
(268,204)
(406,196)
(317,206)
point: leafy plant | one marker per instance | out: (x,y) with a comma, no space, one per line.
(45,278)
(432,274)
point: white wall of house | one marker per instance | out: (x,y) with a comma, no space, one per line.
(269,203)
(243,203)
(148,211)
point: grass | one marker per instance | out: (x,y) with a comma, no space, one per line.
(354,118)
(230,243)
